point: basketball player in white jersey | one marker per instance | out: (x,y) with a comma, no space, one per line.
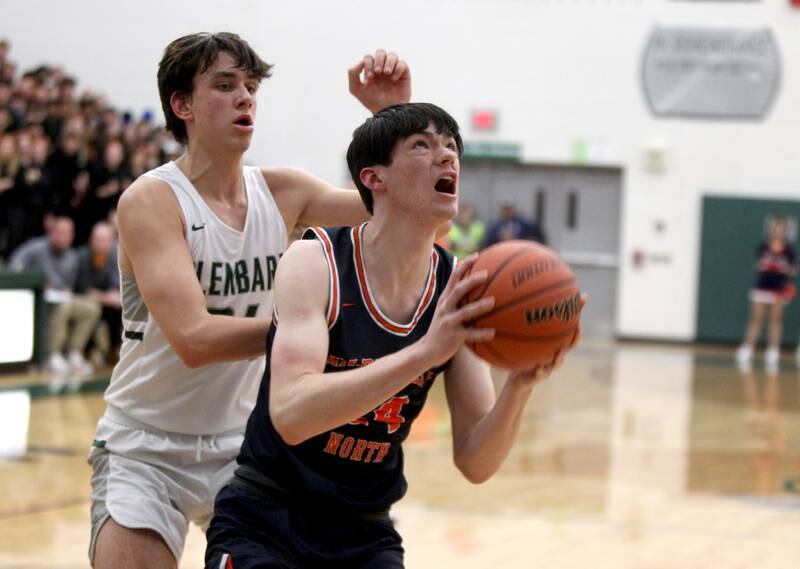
(200,239)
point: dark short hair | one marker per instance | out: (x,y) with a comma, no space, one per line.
(190,55)
(374,141)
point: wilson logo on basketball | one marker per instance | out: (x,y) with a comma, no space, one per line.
(531,271)
(564,309)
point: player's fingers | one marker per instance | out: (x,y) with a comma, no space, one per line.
(380,61)
(399,70)
(478,334)
(391,62)
(475,309)
(465,285)
(462,268)
(576,338)
(559,359)
(369,66)
(354,76)
(452,295)
(534,374)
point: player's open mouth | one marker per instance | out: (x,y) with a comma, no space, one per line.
(244,120)
(446,185)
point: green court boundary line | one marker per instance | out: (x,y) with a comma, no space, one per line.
(792,485)
(60,387)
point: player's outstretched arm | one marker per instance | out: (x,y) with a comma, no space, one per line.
(304,401)
(153,249)
(308,201)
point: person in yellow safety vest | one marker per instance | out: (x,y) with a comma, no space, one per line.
(467,233)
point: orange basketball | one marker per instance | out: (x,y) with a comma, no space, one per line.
(537,304)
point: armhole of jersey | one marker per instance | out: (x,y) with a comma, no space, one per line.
(262,185)
(333,274)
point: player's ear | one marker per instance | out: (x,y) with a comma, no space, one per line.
(181,104)
(371,178)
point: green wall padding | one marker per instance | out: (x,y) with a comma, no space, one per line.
(731,231)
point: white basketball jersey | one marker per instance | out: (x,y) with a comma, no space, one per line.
(150,385)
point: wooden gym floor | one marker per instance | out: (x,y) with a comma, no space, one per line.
(632,456)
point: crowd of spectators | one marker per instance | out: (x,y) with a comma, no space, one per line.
(67,154)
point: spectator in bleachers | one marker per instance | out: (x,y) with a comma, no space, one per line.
(28,200)
(65,163)
(98,278)
(9,164)
(72,317)
(108,176)
(92,151)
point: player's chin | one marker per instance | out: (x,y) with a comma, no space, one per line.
(445,210)
(241,142)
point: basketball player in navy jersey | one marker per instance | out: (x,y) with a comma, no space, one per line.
(200,239)
(366,318)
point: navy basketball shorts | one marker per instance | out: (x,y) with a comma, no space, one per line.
(255,528)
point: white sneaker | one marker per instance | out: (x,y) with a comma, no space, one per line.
(744,354)
(772,357)
(78,364)
(57,364)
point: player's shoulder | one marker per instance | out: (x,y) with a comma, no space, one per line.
(306,253)
(146,191)
(149,202)
(281,178)
(303,270)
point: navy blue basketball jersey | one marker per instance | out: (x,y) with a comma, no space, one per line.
(775,268)
(358,466)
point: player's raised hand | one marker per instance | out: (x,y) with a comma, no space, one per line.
(450,328)
(380,80)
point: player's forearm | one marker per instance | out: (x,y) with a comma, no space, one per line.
(305,406)
(222,338)
(482,450)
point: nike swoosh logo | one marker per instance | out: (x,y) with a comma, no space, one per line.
(348,304)
(197,227)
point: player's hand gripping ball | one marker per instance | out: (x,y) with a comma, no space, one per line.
(537,305)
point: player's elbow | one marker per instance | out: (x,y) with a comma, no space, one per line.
(289,430)
(191,354)
(191,358)
(475,473)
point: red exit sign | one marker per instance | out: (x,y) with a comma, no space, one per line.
(485,119)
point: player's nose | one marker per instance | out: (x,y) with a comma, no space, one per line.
(447,155)
(245,98)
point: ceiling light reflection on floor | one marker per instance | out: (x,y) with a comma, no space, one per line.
(15,411)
